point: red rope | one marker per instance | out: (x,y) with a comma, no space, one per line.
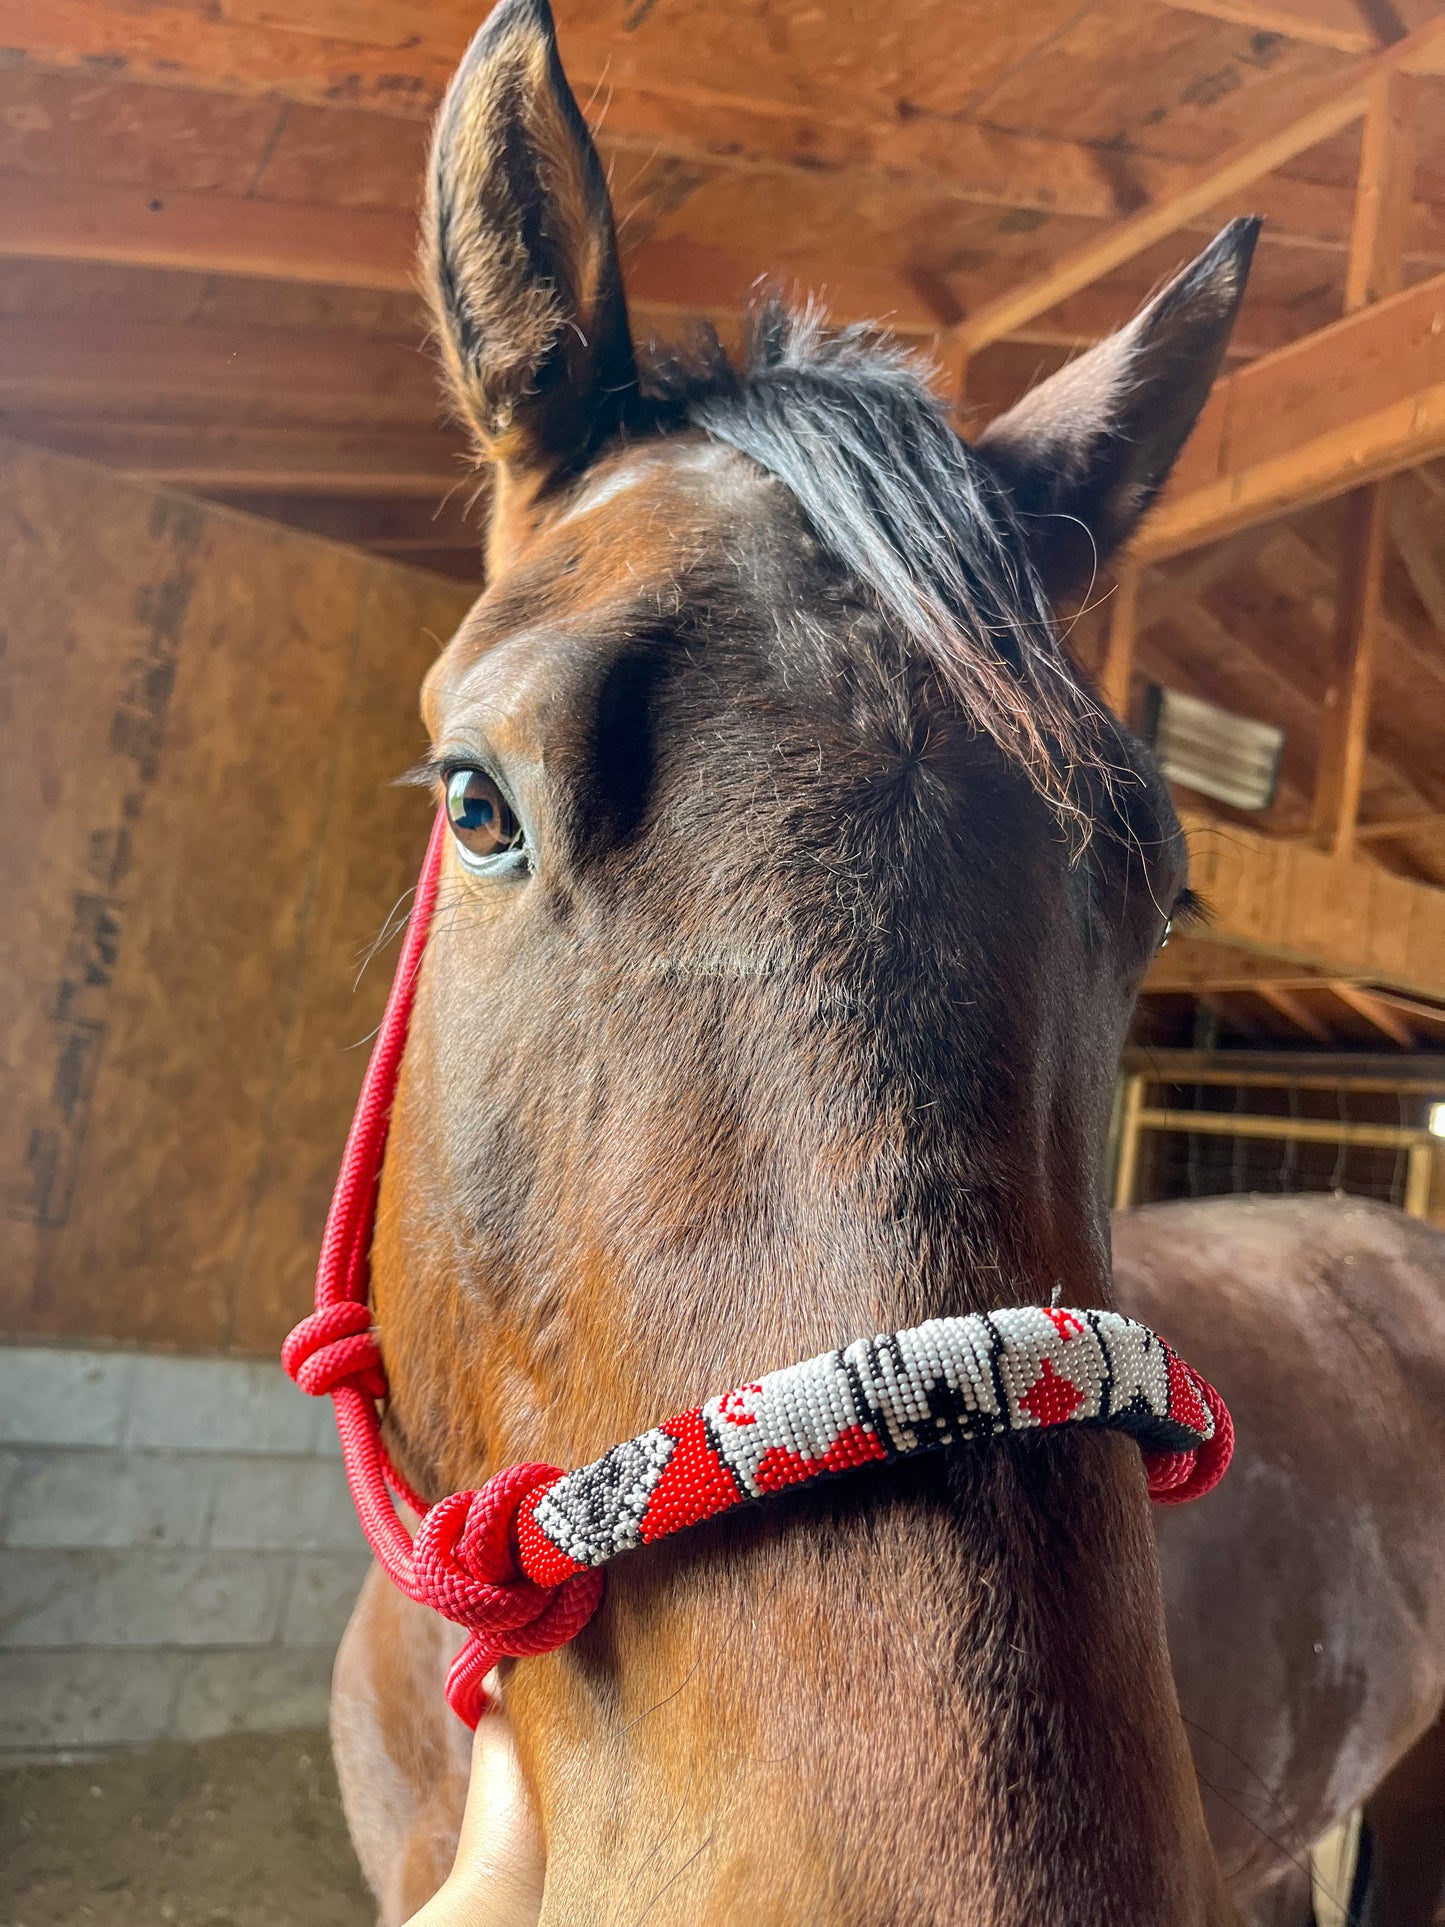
(462,1560)
(1177,1477)
(465,1560)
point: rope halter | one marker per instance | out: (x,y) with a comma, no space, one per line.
(518,1563)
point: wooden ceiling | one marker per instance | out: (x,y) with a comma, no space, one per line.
(207,236)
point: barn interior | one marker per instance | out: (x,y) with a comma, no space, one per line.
(228,484)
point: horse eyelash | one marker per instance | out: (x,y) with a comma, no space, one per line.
(425,775)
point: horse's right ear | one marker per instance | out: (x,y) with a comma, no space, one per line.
(520,257)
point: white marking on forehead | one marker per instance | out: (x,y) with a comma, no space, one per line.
(643,466)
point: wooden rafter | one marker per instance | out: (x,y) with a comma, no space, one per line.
(1410,1006)
(43,218)
(1340,408)
(1375,271)
(340,55)
(1376,1010)
(1346,719)
(1337,915)
(393,61)
(56,364)
(1394,826)
(1118,670)
(1290,1007)
(1376,262)
(326,460)
(1322,23)
(1335,105)
(377,249)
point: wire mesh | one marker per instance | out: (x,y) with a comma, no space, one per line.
(1179,1163)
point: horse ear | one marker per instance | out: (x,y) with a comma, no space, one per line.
(1085,454)
(520,256)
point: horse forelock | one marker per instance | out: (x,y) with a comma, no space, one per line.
(848,423)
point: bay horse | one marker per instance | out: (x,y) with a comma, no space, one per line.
(796,899)
(1306,1600)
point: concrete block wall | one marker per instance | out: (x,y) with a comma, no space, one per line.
(178,1550)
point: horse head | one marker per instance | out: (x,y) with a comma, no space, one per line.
(797,896)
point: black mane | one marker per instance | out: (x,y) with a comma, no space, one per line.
(895,496)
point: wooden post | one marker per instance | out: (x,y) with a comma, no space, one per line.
(1344,725)
(1126,1170)
(1419,1170)
(1382,192)
(1118,670)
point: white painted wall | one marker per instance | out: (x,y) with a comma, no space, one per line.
(178,1550)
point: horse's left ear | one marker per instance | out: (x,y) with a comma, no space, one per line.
(520,257)
(1085,454)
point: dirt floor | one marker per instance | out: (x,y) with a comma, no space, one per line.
(238,1832)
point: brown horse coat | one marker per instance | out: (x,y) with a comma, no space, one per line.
(1306,1596)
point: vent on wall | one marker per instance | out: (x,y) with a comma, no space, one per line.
(1232,758)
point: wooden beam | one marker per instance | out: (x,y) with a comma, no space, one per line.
(1375,1010)
(62,219)
(1320,23)
(1393,826)
(1199,968)
(1242,984)
(342,58)
(202,456)
(61,365)
(1192,962)
(374,248)
(81,220)
(1293,1011)
(1117,673)
(1382,194)
(1307,1130)
(1345,723)
(337,58)
(1335,105)
(1339,915)
(1343,407)
(1411,1006)
(1378,1072)
(399,524)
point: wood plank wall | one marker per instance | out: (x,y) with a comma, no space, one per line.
(200,721)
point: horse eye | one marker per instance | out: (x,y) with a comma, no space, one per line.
(481,818)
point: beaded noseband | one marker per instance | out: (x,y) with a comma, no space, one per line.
(518,1563)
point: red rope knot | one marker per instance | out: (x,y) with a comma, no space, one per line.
(336,1346)
(1177,1477)
(466,1566)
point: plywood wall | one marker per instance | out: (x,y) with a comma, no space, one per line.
(200,719)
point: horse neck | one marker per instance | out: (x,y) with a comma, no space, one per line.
(945,1698)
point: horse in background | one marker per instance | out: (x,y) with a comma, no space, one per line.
(1306,1600)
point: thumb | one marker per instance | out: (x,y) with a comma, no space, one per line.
(496,1879)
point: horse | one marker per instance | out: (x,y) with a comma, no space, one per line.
(1306,1601)
(795,897)
(1319,1690)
